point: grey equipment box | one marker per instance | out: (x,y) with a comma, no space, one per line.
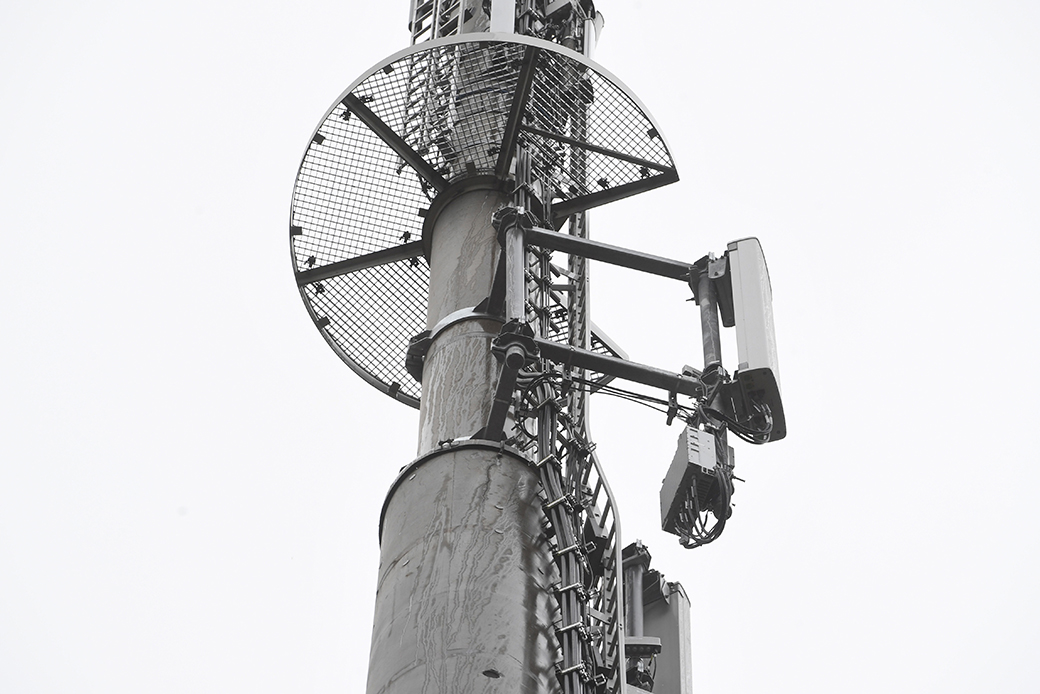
(758,371)
(692,471)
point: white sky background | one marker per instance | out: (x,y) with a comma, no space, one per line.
(190,480)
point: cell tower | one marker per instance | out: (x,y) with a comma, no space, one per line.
(431,209)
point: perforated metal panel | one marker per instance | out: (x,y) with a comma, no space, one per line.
(435,115)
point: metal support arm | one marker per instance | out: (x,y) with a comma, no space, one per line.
(615,255)
(688,385)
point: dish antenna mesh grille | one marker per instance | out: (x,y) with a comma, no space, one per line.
(433,115)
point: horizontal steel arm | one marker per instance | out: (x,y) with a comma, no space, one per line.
(620,368)
(615,255)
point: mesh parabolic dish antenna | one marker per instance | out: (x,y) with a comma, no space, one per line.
(437,118)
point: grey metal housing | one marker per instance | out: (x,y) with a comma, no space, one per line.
(696,449)
(758,370)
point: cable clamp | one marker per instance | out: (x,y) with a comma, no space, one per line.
(560,552)
(550,400)
(570,627)
(673,408)
(564,589)
(583,594)
(581,668)
(549,458)
(578,627)
(566,499)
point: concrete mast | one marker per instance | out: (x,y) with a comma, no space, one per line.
(500,560)
(464,600)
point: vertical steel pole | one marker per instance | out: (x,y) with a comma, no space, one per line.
(459,372)
(635,562)
(712,353)
(634,599)
(709,319)
(516,293)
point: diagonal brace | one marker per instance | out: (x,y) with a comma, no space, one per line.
(361,262)
(513,356)
(396,143)
(516,111)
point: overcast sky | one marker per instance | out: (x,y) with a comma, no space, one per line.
(190,479)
